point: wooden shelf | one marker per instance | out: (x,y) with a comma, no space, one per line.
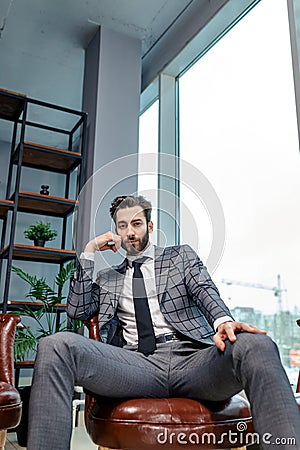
(11,104)
(13,305)
(22,365)
(5,205)
(44,204)
(39,254)
(48,158)
(63,154)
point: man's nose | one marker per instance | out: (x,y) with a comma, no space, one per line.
(130,231)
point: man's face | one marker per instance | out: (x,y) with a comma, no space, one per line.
(131,226)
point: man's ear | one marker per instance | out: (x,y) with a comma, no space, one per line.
(150,226)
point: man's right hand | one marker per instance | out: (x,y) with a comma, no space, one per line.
(101,243)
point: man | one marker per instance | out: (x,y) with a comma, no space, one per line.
(162,308)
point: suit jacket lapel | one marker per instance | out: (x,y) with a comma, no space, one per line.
(117,281)
(121,268)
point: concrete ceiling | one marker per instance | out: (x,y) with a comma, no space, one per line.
(42,42)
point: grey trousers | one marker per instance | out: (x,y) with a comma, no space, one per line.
(176,369)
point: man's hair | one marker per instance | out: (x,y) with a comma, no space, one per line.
(128,201)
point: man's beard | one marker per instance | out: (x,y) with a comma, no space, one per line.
(131,250)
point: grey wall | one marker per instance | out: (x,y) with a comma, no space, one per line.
(111,97)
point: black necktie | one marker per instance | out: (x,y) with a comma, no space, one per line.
(144,325)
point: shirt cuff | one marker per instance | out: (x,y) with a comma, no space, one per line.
(88,255)
(222,320)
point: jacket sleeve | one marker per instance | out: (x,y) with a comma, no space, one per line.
(84,294)
(202,289)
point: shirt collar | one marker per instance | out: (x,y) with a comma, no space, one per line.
(148,252)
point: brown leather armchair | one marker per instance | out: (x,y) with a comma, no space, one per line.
(10,402)
(146,423)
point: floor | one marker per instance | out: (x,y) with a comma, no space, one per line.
(80,440)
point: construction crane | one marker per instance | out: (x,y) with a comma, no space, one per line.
(276,289)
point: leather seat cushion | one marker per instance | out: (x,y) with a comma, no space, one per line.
(10,406)
(141,423)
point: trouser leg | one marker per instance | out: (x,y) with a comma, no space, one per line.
(251,363)
(67,359)
(274,409)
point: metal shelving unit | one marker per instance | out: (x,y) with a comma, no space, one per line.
(14,107)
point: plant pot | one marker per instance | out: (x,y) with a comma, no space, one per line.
(39,242)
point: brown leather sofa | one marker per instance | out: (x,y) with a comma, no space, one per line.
(10,402)
(168,423)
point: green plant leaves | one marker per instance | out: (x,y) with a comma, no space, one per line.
(40,290)
(44,316)
(40,230)
(25,343)
(65,274)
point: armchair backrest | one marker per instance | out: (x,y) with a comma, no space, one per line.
(94,333)
(8,325)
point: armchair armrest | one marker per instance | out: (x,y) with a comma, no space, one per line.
(8,325)
(94,333)
(93,327)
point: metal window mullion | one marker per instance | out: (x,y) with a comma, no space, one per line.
(295,49)
(168,170)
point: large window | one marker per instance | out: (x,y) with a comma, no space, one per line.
(148,162)
(238,128)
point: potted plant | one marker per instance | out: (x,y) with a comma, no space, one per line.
(45,318)
(40,232)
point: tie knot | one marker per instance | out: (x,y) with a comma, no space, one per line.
(138,262)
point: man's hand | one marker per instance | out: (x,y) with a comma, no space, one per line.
(227,330)
(106,241)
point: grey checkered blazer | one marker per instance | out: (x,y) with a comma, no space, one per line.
(188,298)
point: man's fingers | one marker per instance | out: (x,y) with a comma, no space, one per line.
(219,342)
(108,241)
(227,330)
(231,334)
(116,243)
(242,326)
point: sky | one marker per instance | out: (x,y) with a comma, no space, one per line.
(238,128)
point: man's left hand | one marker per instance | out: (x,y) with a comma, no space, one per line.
(228,330)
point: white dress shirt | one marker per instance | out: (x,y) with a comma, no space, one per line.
(126,312)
